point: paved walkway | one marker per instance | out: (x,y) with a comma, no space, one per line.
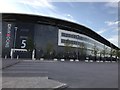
(26,78)
(74,74)
(9,62)
(30,82)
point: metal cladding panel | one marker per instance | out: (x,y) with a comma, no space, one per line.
(24,31)
(45,34)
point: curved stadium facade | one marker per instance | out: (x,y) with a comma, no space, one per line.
(51,38)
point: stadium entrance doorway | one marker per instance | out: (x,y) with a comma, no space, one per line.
(18,53)
(22,54)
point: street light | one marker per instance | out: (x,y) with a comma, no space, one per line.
(111,52)
(77,47)
(14,42)
(82,47)
(15,37)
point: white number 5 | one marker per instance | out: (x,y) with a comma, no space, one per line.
(23,44)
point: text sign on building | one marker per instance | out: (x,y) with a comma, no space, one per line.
(8,35)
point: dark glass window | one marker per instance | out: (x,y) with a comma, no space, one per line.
(80,38)
(70,42)
(63,34)
(62,41)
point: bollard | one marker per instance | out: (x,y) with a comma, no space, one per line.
(17,56)
(55,59)
(86,61)
(5,56)
(113,61)
(101,61)
(41,59)
(77,60)
(71,60)
(62,60)
(97,61)
(91,60)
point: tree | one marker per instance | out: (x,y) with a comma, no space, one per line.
(118,54)
(30,47)
(82,50)
(67,48)
(100,52)
(112,53)
(95,51)
(104,52)
(30,44)
(49,49)
(67,45)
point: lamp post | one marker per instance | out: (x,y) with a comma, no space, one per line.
(104,52)
(15,37)
(82,47)
(14,40)
(111,52)
(77,47)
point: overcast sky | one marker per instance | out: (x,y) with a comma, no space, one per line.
(101,17)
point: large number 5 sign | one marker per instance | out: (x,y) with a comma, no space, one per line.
(23,45)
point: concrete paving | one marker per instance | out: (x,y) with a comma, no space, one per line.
(30,82)
(74,74)
(26,79)
(8,62)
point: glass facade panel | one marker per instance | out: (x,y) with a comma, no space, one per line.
(75,39)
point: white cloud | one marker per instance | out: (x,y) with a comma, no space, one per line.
(7,6)
(38,3)
(114,39)
(112,30)
(68,15)
(112,8)
(85,0)
(111,23)
(37,7)
(101,31)
(24,6)
(112,4)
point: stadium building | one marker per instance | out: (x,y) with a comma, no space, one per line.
(26,35)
